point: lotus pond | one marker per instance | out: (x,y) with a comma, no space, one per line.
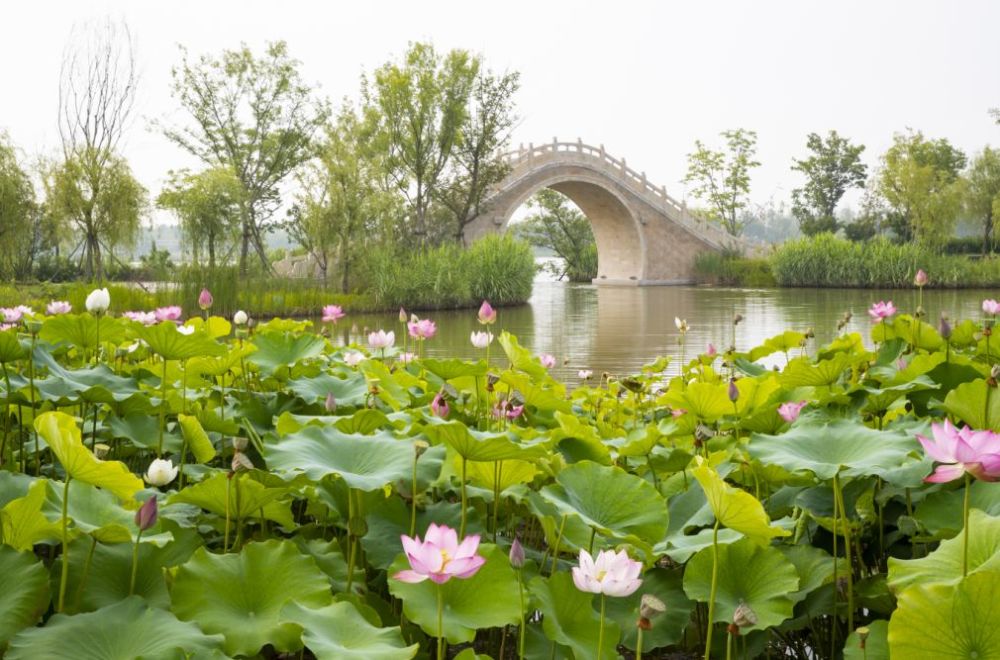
(211,490)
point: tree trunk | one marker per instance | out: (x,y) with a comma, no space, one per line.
(244,248)
(987,233)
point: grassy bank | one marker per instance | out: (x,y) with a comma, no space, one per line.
(732,270)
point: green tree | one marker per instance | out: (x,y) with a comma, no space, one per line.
(20,215)
(208,204)
(833,168)
(341,206)
(416,110)
(558,226)
(982,199)
(920,181)
(255,116)
(722,178)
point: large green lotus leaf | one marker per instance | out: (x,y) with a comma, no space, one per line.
(94,384)
(11,347)
(24,592)
(755,394)
(941,511)
(197,440)
(276,350)
(579,441)
(125,630)
(611,501)
(735,508)
(521,358)
(480,446)
(488,599)
(454,368)
(392,386)
(759,576)
(63,437)
(241,595)
(96,512)
(215,326)
(81,330)
(801,372)
(706,401)
(349,392)
(211,494)
(968,402)
(959,620)
(22,523)
(876,645)
(503,474)
(331,560)
(13,485)
(668,628)
(844,446)
(537,398)
(215,366)
(786,341)
(568,616)
(142,431)
(945,563)
(168,342)
(339,632)
(364,462)
(813,565)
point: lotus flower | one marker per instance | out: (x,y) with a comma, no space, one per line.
(402,315)
(548,361)
(240,317)
(406,358)
(790,411)
(145,318)
(4,327)
(481,339)
(422,329)
(711,352)
(991,307)
(205,299)
(733,391)
(98,301)
(440,556)
(185,329)
(439,406)
(169,313)
(25,310)
(516,555)
(681,324)
(881,310)
(11,314)
(161,472)
(332,313)
(145,517)
(58,307)
(487,315)
(353,358)
(920,279)
(960,451)
(585,374)
(611,574)
(380,339)
(505,408)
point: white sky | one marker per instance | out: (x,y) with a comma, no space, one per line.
(644,78)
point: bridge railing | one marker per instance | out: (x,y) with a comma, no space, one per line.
(528,157)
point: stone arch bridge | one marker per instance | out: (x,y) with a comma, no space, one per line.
(644,236)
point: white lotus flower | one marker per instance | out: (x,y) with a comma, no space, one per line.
(161,472)
(240,318)
(98,301)
(353,358)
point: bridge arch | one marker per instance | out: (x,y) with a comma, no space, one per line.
(643,236)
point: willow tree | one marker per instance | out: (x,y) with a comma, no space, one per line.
(20,215)
(255,116)
(208,205)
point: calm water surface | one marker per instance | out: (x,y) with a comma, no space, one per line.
(618,329)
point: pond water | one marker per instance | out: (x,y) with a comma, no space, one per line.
(618,329)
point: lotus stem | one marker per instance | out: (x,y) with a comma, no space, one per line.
(834,618)
(413,502)
(520,632)
(600,633)
(712,589)
(350,540)
(225,538)
(163,401)
(442,646)
(839,494)
(135,562)
(65,546)
(965,526)
(638,644)
(555,550)
(86,573)
(461,530)
(729,646)
(31,394)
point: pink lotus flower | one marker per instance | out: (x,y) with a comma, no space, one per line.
(790,411)
(25,310)
(11,314)
(440,556)
(991,306)
(205,299)
(611,574)
(439,406)
(711,352)
(58,307)
(548,361)
(4,327)
(677,412)
(406,358)
(920,279)
(962,450)
(332,313)
(422,329)
(481,339)
(145,318)
(487,315)
(171,313)
(380,339)
(505,408)
(882,310)
(353,358)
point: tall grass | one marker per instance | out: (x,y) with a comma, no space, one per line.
(733,270)
(828,261)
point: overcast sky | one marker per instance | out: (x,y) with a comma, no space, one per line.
(643,78)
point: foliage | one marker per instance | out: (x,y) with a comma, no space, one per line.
(734,270)
(559,226)
(20,215)
(982,192)
(208,205)
(722,178)
(833,168)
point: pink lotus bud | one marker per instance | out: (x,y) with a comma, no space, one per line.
(145,517)
(711,352)
(920,279)
(402,315)
(439,406)
(205,299)
(487,315)
(548,361)
(734,392)
(944,328)
(516,554)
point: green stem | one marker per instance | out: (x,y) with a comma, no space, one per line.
(135,562)
(836,596)
(839,493)
(461,530)
(350,540)
(413,503)
(729,646)
(229,490)
(600,633)
(442,646)
(86,573)
(163,402)
(31,380)
(965,526)
(520,634)
(711,592)
(555,551)
(65,546)
(638,644)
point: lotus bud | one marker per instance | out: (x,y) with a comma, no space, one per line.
(744,616)
(240,318)
(161,472)
(402,315)
(101,450)
(920,279)
(240,444)
(145,517)
(98,301)
(330,403)
(516,554)
(439,406)
(734,392)
(944,327)
(487,315)
(205,299)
